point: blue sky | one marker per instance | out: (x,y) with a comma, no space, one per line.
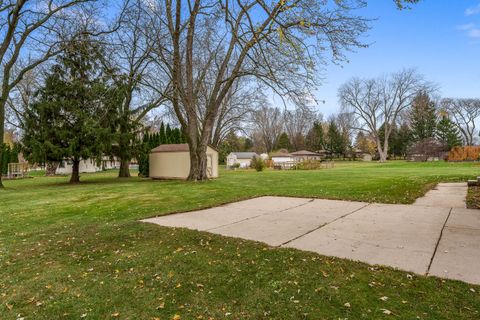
(441,38)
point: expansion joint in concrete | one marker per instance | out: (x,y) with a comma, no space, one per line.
(438,242)
(323,225)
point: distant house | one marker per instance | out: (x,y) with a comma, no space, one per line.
(87,166)
(304,155)
(172,161)
(65,167)
(242,158)
(282,157)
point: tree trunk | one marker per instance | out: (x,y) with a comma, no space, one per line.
(124,168)
(2,131)
(75,178)
(381,151)
(198,163)
(51,168)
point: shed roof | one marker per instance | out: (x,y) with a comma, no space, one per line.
(304,153)
(181,147)
(244,155)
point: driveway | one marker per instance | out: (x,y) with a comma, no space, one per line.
(435,236)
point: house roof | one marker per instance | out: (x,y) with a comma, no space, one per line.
(281,154)
(304,153)
(181,147)
(244,155)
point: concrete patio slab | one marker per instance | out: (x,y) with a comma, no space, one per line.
(205,219)
(446,195)
(437,238)
(280,227)
(395,235)
(458,253)
(269,203)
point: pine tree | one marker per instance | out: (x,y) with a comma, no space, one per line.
(69,116)
(163,138)
(403,140)
(168,134)
(335,142)
(423,117)
(447,134)
(315,139)
(284,142)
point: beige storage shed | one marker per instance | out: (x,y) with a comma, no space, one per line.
(172,161)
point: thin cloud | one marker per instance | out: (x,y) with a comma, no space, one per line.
(471,30)
(464,27)
(474,33)
(473,10)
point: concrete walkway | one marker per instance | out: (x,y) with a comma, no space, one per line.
(432,237)
(445,195)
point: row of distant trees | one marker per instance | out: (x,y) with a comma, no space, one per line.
(425,125)
(403,101)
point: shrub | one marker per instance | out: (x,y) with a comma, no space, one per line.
(258,164)
(468,153)
(236,165)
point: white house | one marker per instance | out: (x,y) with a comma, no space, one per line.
(304,155)
(87,166)
(282,157)
(242,158)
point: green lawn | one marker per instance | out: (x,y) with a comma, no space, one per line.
(77,251)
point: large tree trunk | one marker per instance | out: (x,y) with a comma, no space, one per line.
(382,150)
(124,168)
(2,131)
(51,168)
(198,163)
(75,178)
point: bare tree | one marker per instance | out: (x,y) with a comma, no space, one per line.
(379,102)
(28,26)
(278,43)
(20,98)
(235,109)
(465,113)
(298,122)
(347,123)
(267,126)
(141,90)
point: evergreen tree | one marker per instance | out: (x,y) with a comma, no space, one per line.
(247,145)
(447,134)
(168,134)
(163,138)
(403,139)
(284,142)
(67,119)
(335,142)
(423,117)
(315,139)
